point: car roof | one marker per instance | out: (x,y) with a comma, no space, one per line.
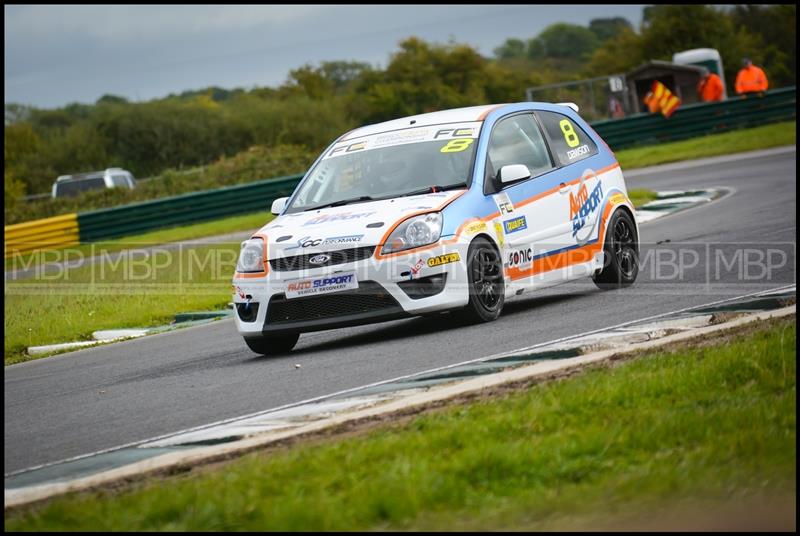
(88,175)
(456,115)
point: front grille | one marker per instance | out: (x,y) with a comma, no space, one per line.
(342,256)
(369,297)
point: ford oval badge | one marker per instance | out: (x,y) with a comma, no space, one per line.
(319,259)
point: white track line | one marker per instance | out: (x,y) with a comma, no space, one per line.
(393,380)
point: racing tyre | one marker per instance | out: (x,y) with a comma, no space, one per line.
(486,284)
(621,253)
(273,344)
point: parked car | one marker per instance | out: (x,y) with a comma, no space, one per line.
(71,185)
(456,210)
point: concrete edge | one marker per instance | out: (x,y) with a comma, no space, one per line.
(174,460)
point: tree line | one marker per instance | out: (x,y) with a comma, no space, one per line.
(319,102)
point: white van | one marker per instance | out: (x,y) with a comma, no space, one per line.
(71,185)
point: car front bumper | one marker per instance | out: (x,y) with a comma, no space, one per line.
(420,281)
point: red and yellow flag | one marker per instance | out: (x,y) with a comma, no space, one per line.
(667,102)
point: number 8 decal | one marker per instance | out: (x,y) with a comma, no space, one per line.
(457,145)
(570,135)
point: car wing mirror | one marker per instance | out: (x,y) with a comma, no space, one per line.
(278,205)
(513,173)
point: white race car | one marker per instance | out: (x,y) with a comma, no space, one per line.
(456,210)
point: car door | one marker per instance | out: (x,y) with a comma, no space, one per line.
(527,219)
(573,151)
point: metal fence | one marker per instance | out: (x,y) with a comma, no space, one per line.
(699,119)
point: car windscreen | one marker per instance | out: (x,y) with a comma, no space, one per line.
(69,188)
(391,164)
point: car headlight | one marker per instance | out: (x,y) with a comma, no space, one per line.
(415,232)
(251,256)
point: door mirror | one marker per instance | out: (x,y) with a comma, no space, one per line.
(514,172)
(278,205)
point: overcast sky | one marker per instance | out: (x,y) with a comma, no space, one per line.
(60,54)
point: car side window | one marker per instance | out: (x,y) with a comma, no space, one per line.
(568,140)
(517,140)
(120,180)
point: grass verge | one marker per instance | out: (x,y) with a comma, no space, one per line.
(749,139)
(685,427)
(135,291)
(640,196)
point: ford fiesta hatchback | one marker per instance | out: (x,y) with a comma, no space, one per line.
(457,210)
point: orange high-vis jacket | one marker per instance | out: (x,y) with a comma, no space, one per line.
(751,80)
(710,89)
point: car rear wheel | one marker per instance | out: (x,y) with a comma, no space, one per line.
(621,253)
(272,344)
(485,282)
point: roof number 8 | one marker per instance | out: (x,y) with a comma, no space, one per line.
(569,133)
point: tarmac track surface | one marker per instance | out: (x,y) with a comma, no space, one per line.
(95,399)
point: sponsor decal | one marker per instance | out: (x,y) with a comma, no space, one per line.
(519,257)
(504,204)
(242,295)
(617,198)
(347,239)
(307,241)
(583,205)
(447,258)
(321,285)
(342,216)
(416,268)
(517,224)
(475,227)
(463,133)
(501,239)
(575,153)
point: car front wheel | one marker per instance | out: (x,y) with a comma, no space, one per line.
(485,283)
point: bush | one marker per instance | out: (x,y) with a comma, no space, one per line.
(255,163)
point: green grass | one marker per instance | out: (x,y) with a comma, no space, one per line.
(671,429)
(122,294)
(640,196)
(751,139)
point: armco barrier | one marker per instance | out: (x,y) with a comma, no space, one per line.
(58,231)
(183,209)
(699,119)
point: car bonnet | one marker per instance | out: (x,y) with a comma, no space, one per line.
(349,226)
